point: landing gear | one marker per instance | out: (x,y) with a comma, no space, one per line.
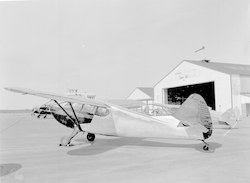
(206,146)
(64,141)
(91,137)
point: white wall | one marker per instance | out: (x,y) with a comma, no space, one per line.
(187,73)
(236,92)
(244,84)
(245,99)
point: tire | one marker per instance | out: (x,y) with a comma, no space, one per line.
(205,148)
(64,141)
(91,137)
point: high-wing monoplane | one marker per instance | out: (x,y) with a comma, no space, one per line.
(192,119)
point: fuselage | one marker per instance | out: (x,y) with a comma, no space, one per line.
(118,121)
(126,123)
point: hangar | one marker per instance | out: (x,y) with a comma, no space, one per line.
(222,85)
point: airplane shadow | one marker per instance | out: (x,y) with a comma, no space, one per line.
(9,168)
(103,145)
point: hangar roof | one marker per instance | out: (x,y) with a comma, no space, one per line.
(147,90)
(224,67)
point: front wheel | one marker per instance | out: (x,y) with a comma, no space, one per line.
(91,137)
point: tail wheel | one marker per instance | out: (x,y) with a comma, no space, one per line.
(91,137)
(64,141)
(205,147)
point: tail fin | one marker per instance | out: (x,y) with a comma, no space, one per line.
(194,112)
(229,117)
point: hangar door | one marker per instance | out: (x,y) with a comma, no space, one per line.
(178,95)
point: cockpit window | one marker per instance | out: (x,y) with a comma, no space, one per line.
(99,111)
(102,111)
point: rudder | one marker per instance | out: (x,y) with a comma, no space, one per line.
(194,112)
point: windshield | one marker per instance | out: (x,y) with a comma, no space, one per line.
(102,111)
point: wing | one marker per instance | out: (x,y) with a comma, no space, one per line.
(127,103)
(53,96)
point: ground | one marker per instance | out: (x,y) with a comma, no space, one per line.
(30,153)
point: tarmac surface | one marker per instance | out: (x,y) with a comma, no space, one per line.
(29,152)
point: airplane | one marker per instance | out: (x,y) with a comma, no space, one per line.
(192,119)
(230,117)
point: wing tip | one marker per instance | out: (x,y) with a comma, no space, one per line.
(16,90)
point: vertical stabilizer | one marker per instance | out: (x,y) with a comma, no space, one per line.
(229,117)
(194,112)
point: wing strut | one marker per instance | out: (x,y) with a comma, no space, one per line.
(75,117)
(76,123)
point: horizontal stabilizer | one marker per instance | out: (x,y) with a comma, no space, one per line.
(225,117)
(223,123)
(229,117)
(198,126)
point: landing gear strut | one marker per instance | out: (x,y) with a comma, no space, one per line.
(206,146)
(91,137)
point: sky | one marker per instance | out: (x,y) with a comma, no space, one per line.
(110,47)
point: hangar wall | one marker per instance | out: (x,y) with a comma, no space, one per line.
(187,74)
(245,84)
(236,91)
(245,94)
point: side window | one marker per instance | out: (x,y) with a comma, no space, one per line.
(89,108)
(102,111)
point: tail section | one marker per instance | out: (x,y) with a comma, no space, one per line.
(229,117)
(194,112)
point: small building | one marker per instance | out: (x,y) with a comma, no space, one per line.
(222,85)
(145,95)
